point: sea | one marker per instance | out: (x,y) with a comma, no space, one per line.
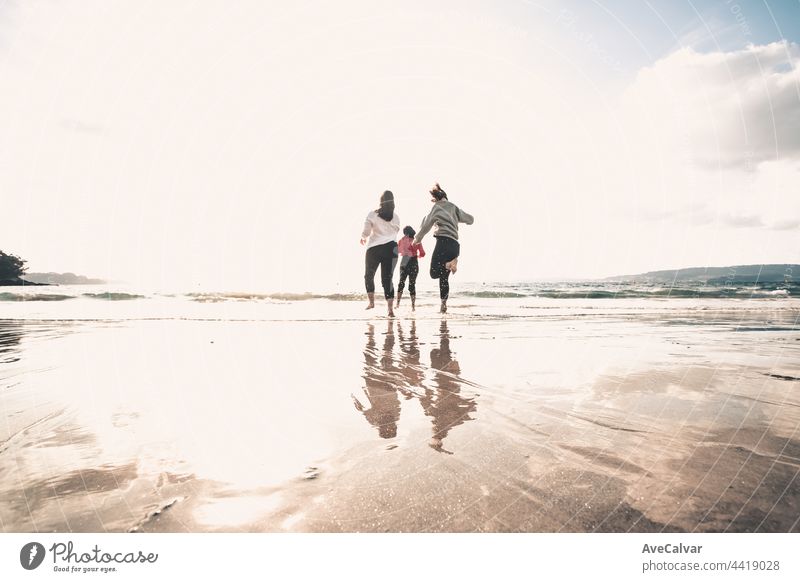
(468,299)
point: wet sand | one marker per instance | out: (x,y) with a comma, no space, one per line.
(532,421)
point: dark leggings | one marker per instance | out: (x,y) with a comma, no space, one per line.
(410,270)
(384,255)
(445,251)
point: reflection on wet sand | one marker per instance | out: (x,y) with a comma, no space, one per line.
(614,425)
(10,335)
(90,481)
(410,365)
(384,379)
(383,410)
(444,403)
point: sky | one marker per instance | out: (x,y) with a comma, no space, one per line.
(240,145)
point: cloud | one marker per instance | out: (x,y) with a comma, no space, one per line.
(715,142)
(82,127)
(785,225)
(695,214)
(724,109)
(742,221)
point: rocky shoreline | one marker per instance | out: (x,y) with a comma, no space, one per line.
(20,283)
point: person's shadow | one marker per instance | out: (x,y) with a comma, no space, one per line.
(380,388)
(444,403)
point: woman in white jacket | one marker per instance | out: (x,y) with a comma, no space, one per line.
(380,235)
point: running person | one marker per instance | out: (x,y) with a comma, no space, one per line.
(445,216)
(381,226)
(409,265)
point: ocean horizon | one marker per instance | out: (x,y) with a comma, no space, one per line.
(533,289)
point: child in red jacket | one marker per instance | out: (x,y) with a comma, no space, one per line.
(409,265)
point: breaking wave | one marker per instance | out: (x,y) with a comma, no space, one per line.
(114,296)
(217,297)
(34,297)
(628,292)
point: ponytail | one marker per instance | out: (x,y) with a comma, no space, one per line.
(438,193)
(386,210)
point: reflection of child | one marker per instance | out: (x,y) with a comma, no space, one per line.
(409,265)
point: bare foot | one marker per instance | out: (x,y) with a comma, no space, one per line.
(391,313)
(444,308)
(452,266)
(371,306)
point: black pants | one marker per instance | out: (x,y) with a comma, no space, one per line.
(445,251)
(384,255)
(410,270)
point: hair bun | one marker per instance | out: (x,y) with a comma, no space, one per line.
(437,192)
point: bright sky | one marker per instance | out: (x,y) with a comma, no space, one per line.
(240,145)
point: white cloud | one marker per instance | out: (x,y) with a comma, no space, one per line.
(733,109)
(742,220)
(718,149)
(786,225)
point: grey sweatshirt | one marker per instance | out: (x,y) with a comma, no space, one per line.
(446,216)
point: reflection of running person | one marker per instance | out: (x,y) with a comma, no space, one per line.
(410,366)
(445,404)
(445,216)
(381,226)
(409,265)
(383,411)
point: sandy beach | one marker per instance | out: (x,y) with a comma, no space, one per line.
(599,415)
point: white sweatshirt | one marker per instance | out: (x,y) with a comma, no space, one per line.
(379,230)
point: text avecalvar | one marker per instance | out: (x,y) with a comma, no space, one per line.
(671,549)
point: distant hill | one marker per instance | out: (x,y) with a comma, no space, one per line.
(17,282)
(718,275)
(61,279)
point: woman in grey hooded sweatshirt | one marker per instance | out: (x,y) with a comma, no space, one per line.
(445,217)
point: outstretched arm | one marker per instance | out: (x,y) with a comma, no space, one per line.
(464,217)
(427,224)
